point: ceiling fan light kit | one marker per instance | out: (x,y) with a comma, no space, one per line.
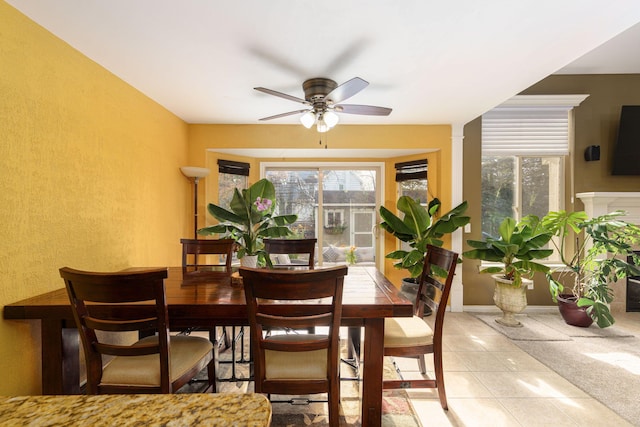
(322,98)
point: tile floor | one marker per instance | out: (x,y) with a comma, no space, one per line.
(492,382)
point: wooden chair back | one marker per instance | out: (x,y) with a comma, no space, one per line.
(197,256)
(288,247)
(123,302)
(413,337)
(435,282)
(295,299)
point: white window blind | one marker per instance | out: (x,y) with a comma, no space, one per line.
(526,126)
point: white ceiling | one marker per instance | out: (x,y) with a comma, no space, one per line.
(432,61)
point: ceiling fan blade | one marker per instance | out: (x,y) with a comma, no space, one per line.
(277,116)
(369,110)
(281,95)
(346,90)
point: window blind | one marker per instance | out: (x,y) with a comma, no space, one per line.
(234,168)
(526,130)
(416,169)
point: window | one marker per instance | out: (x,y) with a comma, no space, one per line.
(232,175)
(336,203)
(334,217)
(518,186)
(524,144)
(412,180)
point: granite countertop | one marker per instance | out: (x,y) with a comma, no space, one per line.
(205,409)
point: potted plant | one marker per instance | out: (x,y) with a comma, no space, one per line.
(519,244)
(249,219)
(419,227)
(599,258)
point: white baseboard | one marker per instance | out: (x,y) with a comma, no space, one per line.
(494,309)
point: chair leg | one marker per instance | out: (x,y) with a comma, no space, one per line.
(211,371)
(442,394)
(422,364)
(334,403)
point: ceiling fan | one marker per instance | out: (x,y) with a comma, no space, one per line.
(322,97)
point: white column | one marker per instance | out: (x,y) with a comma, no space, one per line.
(457,136)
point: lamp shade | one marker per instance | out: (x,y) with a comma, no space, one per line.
(194,172)
(308,119)
(322,126)
(330,118)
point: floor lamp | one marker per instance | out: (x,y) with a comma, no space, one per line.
(196,174)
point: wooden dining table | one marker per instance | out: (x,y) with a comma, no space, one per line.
(369,297)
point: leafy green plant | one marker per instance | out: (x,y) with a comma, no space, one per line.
(602,245)
(250,218)
(419,227)
(519,244)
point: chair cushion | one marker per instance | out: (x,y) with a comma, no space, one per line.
(186,352)
(406,332)
(295,365)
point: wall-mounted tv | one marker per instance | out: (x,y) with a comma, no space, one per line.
(626,156)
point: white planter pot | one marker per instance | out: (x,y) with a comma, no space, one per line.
(250,261)
(511,300)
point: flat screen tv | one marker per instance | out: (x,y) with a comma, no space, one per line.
(626,157)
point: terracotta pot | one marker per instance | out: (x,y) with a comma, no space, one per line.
(571,313)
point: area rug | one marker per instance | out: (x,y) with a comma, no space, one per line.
(397,410)
(607,369)
(547,327)
(604,363)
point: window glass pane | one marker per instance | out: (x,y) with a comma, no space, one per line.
(226,184)
(350,195)
(535,186)
(498,192)
(297,193)
(414,188)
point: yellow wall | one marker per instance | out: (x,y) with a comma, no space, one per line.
(204,139)
(89,174)
(89,178)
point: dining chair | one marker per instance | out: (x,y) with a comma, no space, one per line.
(159,363)
(206,257)
(295,364)
(412,336)
(283,249)
(197,264)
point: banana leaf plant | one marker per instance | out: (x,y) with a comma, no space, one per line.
(602,247)
(250,218)
(420,227)
(519,244)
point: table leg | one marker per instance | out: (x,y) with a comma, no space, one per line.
(372,372)
(60,358)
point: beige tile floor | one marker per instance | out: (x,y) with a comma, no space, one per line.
(492,382)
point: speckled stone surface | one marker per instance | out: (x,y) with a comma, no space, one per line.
(206,409)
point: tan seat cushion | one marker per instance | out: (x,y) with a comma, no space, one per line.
(406,332)
(186,352)
(295,365)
